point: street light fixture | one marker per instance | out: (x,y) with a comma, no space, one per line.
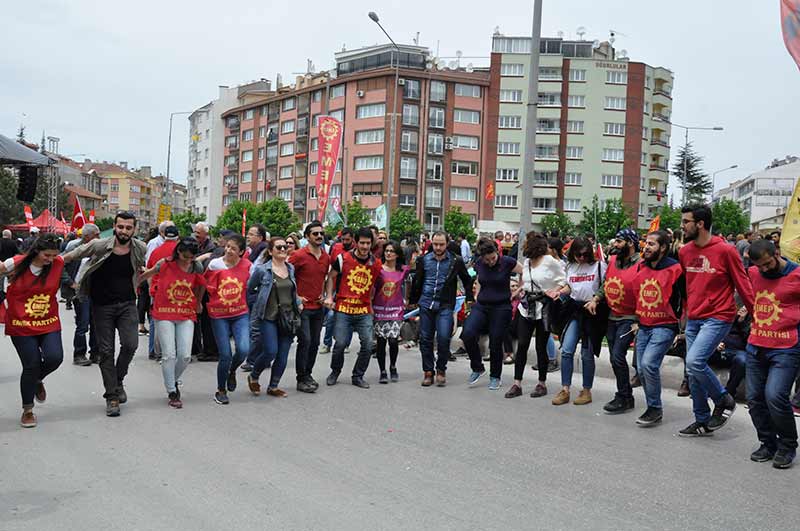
(165,194)
(393,130)
(714,178)
(686,129)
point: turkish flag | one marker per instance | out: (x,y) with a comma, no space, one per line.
(91,216)
(78,220)
(790,22)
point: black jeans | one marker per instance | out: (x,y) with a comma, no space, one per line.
(394,350)
(123,318)
(619,337)
(204,341)
(494,320)
(83,326)
(308,342)
(525,330)
(40,355)
(770,374)
(143,302)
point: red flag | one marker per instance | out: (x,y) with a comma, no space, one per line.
(790,22)
(489,192)
(655,224)
(78,220)
(330,140)
(244,220)
(599,254)
(28,215)
(91,216)
(64,221)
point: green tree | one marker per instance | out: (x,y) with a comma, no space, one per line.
(357,217)
(21,133)
(728,218)
(560,222)
(456,223)
(695,183)
(231,218)
(104,223)
(404,221)
(185,220)
(276,216)
(670,217)
(11,209)
(612,218)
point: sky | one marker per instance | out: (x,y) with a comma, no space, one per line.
(105,76)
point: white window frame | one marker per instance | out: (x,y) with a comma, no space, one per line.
(552,152)
(550,73)
(287,149)
(616,103)
(471,143)
(247,156)
(408,167)
(544,204)
(337,91)
(573,179)
(247,135)
(508,148)
(246,177)
(509,175)
(468,91)
(617,77)
(436,117)
(369,162)
(458,193)
(545,178)
(549,99)
(466,116)
(412,115)
(285,194)
(574,152)
(370,110)
(510,95)
(289,104)
(614,129)
(509,121)
(505,200)
(572,205)
(512,70)
(575,126)
(249,114)
(370,136)
(576,101)
(613,155)
(286,172)
(577,74)
(611,181)
(287,127)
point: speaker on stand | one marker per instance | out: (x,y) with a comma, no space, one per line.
(28,178)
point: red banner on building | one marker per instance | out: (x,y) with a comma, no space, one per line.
(244,221)
(330,140)
(489,192)
(91,216)
(28,215)
(790,22)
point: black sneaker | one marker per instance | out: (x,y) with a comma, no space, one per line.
(221,398)
(304,387)
(112,408)
(552,365)
(359,382)
(384,379)
(121,394)
(618,405)
(763,454)
(722,412)
(652,415)
(783,459)
(393,376)
(232,381)
(152,356)
(81,361)
(246,367)
(696,429)
(332,378)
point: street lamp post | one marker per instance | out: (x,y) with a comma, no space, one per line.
(525,221)
(686,129)
(393,129)
(714,178)
(165,196)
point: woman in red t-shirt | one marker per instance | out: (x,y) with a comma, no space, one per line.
(174,309)
(32,319)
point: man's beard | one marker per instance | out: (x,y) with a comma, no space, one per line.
(689,237)
(122,238)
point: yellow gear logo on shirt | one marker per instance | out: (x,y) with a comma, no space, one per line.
(180,293)
(37,305)
(388,289)
(650,295)
(229,290)
(766,308)
(615,291)
(359,279)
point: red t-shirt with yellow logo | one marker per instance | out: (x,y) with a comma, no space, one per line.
(357,277)
(175,299)
(776,309)
(227,289)
(32,306)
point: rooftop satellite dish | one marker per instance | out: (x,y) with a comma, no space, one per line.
(623,54)
(470,68)
(497,30)
(596,43)
(429,65)
(560,34)
(581,31)
(452,65)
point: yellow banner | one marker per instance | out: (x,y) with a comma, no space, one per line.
(164,212)
(790,235)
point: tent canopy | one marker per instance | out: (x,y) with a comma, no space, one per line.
(45,223)
(12,152)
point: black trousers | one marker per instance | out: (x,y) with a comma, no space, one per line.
(108,319)
(525,330)
(308,342)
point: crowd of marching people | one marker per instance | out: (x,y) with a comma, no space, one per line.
(241,301)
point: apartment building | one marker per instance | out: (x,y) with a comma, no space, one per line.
(445,142)
(126,189)
(602,129)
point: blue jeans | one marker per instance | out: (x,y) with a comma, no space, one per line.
(551,348)
(568,345)
(239,328)
(703,336)
(256,345)
(40,355)
(329,326)
(83,321)
(770,374)
(345,325)
(151,339)
(652,343)
(175,339)
(619,337)
(494,320)
(439,322)
(275,352)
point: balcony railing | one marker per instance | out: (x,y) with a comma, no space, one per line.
(233,166)
(658,167)
(433,203)
(665,91)
(234,125)
(660,141)
(660,116)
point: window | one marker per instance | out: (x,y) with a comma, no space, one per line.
(249,114)
(259,196)
(576,100)
(260,175)
(313,168)
(548,126)
(549,99)
(312,192)
(232,122)
(644,159)
(247,135)
(247,156)
(367,189)
(285,172)
(648,82)
(616,77)
(642,184)
(135,189)
(544,178)
(373,110)
(315,144)
(272,154)
(436,117)
(338,114)
(614,129)
(337,91)
(288,105)
(467,117)
(205,155)
(114,200)
(642,209)
(549,73)
(508,148)
(547,152)
(230,160)
(263,110)
(287,127)
(336,190)
(261,153)
(465,142)
(246,177)
(505,201)
(544,204)
(410,114)
(435,170)
(512,70)
(369,163)
(408,200)
(510,122)
(507,174)
(464,168)
(463,194)
(230,141)
(287,149)
(370,136)
(262,132)
(572,205)
(432,221)
(645,131)
(510,96)
(573,179)
(575,126)
(408,167)
(614,155)
(435,144)
(411,89)
(409,141)
(614,181)
(574,152)
(615,103)
(647,107)
(285,194)
(438,91)
(577,74)
(470,91)
(433,197)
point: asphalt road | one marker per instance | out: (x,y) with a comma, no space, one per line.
(395,456)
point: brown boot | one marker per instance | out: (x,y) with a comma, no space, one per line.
(427,380)
(28,419)
(561,398)
(441,380)
(684,390)
(584,397)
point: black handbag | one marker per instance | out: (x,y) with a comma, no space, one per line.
(288,319)
(554,312)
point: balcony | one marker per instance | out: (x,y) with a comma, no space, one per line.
(233,188)
(272,161)
(659,167)
(233,148)
(233,125)
(663,90)
(660,141)
(233,166)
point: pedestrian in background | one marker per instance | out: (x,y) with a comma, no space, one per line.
(388,305)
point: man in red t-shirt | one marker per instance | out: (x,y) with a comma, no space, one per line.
(353,304)
(311,264)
